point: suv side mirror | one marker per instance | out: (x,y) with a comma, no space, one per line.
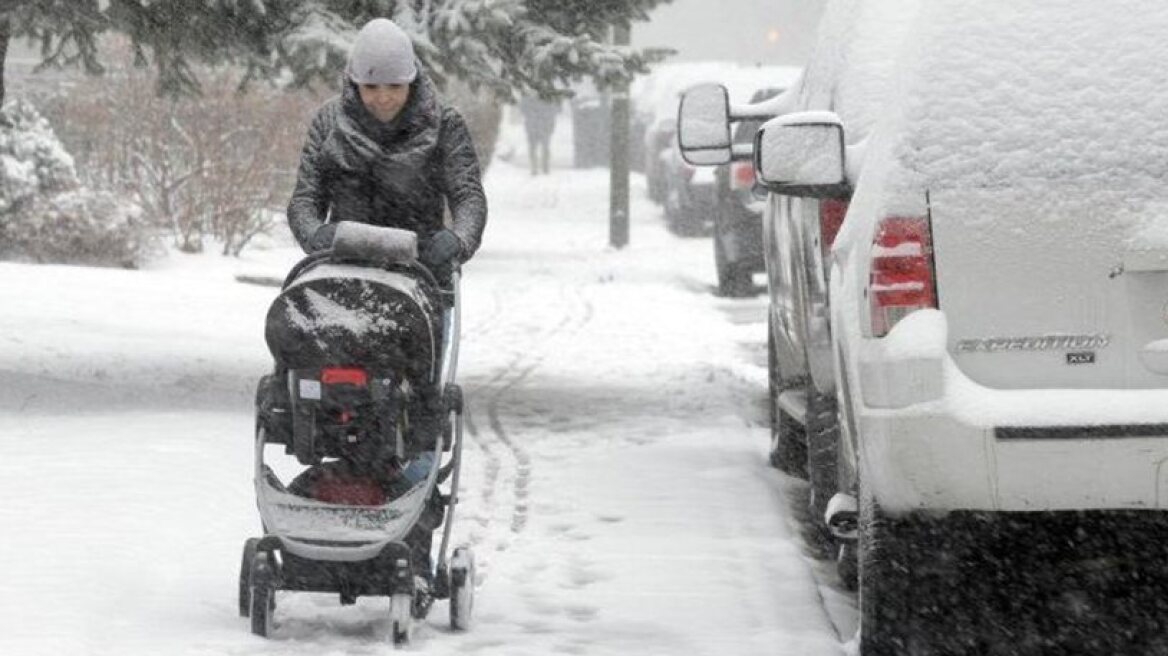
(802,154)
(703,125)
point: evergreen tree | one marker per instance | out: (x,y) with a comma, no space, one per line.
(507,46)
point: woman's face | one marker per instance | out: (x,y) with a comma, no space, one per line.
(384,101)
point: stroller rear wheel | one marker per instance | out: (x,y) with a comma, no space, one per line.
(462,573)
(263,595)
(249,551)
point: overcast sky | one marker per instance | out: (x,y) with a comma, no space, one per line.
(747,31)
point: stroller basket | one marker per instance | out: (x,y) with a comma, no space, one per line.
(325,531)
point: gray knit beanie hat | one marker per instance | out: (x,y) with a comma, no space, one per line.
(382,54)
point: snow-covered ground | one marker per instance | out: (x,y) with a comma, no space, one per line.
(616,490)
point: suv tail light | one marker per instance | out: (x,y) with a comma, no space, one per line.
(344,376)
(687,172)
(741,176)
(831,219)
(901,278)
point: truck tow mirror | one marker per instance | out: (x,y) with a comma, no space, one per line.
(703,125)
(802,154)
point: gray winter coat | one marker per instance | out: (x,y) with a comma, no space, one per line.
(397,174)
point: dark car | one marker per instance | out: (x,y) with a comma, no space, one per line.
(690,195)
(657,140)
(738,252)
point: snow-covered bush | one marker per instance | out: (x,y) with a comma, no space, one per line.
(45,214)
(32,160)
(83,227)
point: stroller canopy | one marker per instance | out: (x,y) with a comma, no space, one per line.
(341,314)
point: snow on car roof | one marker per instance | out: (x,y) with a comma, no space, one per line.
(852,69)
(1029,110)
(1002,92)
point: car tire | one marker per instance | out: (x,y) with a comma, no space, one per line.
(823,436)
(847,565)
(788,451)
(688,222)
(734,281)
(885,576)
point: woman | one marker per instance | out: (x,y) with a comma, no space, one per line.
(386,152)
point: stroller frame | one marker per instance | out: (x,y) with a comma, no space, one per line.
(365,562)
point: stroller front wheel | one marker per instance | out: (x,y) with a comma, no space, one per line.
(263,595)
(400,618)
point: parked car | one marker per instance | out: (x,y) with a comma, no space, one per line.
(851,71)
(998,312)
(658,138)
(655,97)
(690,195)
(738,209)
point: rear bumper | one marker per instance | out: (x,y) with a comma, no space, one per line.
(934,440)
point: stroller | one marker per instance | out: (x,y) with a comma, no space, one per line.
(366,346)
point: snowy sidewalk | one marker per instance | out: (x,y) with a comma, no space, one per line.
(616,490)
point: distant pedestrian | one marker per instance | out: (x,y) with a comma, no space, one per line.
(539,119)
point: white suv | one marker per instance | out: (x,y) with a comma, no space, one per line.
(999,290)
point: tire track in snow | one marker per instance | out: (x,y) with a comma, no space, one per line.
(483,327)
(572,323)
(497,443)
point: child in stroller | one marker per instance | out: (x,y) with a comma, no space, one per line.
(351,482)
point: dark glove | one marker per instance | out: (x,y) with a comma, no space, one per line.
(322,239)
(440,251)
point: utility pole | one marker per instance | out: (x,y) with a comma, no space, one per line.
(5,32)
(618,207)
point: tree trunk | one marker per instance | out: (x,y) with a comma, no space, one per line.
(5,33)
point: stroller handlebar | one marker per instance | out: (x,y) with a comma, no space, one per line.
(331,256)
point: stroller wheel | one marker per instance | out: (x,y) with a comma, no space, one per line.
(400,618)
(263,595)
(249,551)
(462,574)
